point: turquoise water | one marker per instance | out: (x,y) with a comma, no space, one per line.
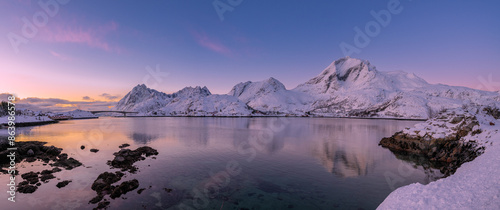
(228,163)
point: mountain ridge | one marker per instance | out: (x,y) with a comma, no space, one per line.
(348,87)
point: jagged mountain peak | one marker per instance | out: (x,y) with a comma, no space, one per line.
(344,72)
(192,92)
(139,94)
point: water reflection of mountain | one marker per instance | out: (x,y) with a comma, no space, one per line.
(143,138)
(350,149)
(342,161)
(261,135)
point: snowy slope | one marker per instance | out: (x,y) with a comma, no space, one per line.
(348,87)
(475,185)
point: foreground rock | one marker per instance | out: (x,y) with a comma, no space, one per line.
(125,158)
(447,141)
(31,151)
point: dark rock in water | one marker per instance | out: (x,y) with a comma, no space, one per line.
(31,177)
(94,150)
(124,187)
(30,174)
(104,181)
(63,156)
(30,152)
(46,177)
(125,158)
(63,183)
(53,151)
(27,188)
(96,199)
(82,147)
(124,145)
(103,205)
(68,164)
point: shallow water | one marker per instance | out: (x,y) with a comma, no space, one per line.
(227,163)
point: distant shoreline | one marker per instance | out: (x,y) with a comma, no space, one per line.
(366,118)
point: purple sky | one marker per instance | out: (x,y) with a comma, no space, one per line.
(98,51)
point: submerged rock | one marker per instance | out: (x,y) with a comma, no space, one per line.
(63,183)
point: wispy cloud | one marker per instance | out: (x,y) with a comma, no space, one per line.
(94,36)
(87,98)
(109,97)
(210,43)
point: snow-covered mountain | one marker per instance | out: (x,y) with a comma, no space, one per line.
(270,96)
(189,101)
(353,87)
(348,87)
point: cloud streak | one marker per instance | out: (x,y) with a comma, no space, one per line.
(209,43)
(109,97)
(57,104)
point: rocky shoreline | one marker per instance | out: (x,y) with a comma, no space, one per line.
(446,141)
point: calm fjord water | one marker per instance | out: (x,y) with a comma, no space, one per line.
(283,163)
